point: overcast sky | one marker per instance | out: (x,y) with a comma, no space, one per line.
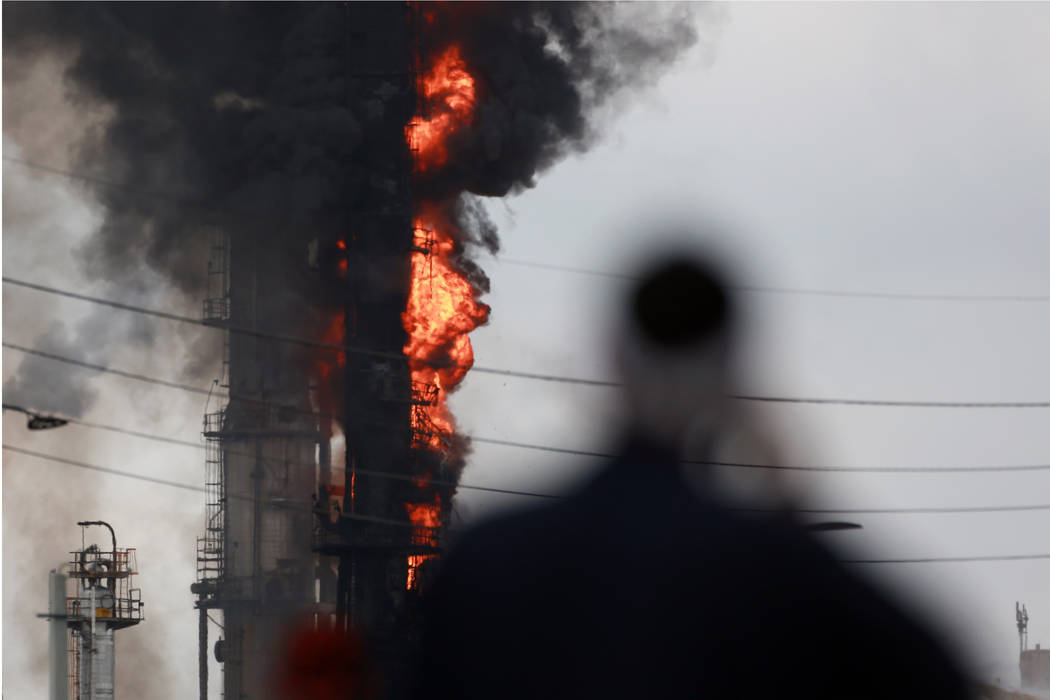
(893,148)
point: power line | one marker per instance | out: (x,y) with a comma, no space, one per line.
(938,560)
(175,484)
(107,470)
(590,382)
(803,511)
(895,403)
(364,472)
(778,467)
(109,370)
(188,487)
(760,289)
(152,194)
(94,179)
(788,290)
(880,470)
(294,339)
(601,455)
(561,450)
(923,510)
(517,492)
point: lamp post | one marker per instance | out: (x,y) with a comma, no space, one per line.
(37,421)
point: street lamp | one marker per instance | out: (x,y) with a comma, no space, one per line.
(37,421)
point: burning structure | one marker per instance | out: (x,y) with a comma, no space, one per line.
(334,154)
(83,656)
(386,359)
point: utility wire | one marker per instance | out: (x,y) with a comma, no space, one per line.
(922,511)
(759,289)
(779,467)
(109,370)
(609,455)
(937,560)
(94,179)
(335,347)
(916,560)
(107,470)
(602,455)
(549,448)
(439,482)
(524,375)
(364,472)
(188,487)
(884,403)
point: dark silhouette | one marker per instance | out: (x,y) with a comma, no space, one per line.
(638,586)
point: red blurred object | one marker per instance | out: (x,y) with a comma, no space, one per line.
(325,664)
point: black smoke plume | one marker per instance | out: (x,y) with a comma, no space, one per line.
(241,114)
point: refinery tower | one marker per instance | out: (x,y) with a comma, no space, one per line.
(315,346)
(93,599)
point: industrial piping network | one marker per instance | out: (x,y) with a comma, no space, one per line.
(82,625)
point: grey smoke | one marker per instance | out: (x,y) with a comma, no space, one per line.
(241,114)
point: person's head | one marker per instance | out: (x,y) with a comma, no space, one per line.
(674,348)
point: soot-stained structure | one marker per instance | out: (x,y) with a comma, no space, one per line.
(327,157)
(285,539)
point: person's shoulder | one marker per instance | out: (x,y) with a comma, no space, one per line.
(509,530)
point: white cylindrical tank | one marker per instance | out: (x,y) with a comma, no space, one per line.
(58,679)
(97,651)
(98,664)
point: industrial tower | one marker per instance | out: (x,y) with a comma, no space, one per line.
(287,531)
(83,658)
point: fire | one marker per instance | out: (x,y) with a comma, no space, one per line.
(441,311)
(413,565)
(448,93)
(327,363)
(424,514)
(442,307)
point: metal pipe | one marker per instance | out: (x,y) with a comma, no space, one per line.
(93,651)
(84,523)
(202,650)
(58,679)
(113,535)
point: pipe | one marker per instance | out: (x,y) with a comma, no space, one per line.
(94,652)
(113,535)
(58,680)
(202,650)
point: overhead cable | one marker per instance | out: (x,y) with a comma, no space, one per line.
(365,472)
(187,487)
(225,212)
(939,560)
(759,289)
(175,484)
(934,510)
(603,455)
(334,347)
(595,382)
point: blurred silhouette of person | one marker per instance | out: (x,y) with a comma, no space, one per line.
(639,585)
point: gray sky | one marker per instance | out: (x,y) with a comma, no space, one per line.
(894,148)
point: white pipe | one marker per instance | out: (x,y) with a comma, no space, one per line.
(91,661)
(58,680)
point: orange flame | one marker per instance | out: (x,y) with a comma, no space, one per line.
(448,93)
(442,307)
(424,514)
(327,362)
